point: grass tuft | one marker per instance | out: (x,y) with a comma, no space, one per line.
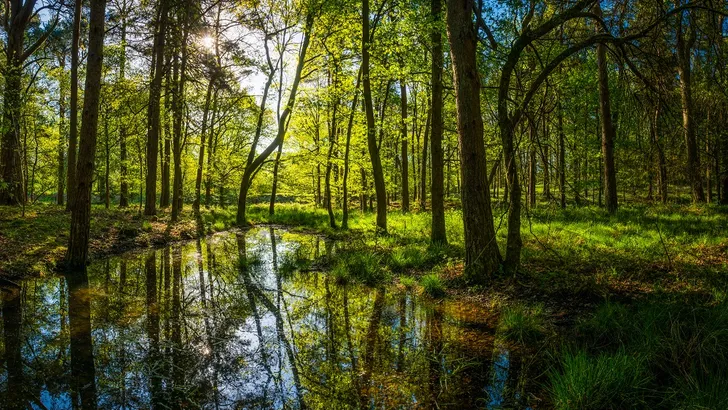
(523,324)
(607,381)
(433,286)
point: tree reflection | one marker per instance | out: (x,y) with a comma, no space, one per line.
(83,369)
(12,323)
(215,324)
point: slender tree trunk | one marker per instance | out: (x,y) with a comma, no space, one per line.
(482,256)
(73,107)
(255,162)
(153,112)
(379,185)
(81,213)
(608,132)
(724,158)
(404,153)
(274,188)
(349,127)
(124,170)
(562,154)
(61,134)
(684,52)
(165,146)
(211,152)
(438,234)
(423,164)
(201,157)
(327,192)
(661,161)
(107,160)
(532,165)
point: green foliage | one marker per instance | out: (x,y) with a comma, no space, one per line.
(433,286)
(607,381)
(360,266)
(408,282)
(522,323)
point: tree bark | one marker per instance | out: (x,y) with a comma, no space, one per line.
(153,111)
(437,188)
(81,213)
(608,133)
(201,157)
(73,120)
(684,52)
(61,173)
(562,155)
(379,185)
(404,153)
(532,164)
(124,170)
(12,191)
(349,127)
(482,256)
(423,164)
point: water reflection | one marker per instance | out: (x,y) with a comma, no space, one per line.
(225,323)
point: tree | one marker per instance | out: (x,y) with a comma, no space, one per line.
(379,186)
(73,121)
(438,234)
(255,162)
(17,17)
(482,256)
(81,212)
(605,114)
(153,111)
(686,36)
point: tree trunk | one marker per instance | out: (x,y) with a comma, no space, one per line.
(11,163)
(201,157)
(73,120)
(684,52)
(274,188)
(61,134)
(423,164)
(608,133)
(350,125)
(124,171)
(482,256)
(166,146)
(153,110)
(254,163)
(107,161)
(437,188)
(379,185)
(404,153)
(81,213)
(211,146)
(532,164)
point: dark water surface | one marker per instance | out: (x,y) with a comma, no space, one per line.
(228,322)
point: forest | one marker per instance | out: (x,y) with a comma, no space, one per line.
(349,204)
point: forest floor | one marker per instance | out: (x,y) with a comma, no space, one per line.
(636,300)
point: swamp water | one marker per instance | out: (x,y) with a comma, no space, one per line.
(244,320)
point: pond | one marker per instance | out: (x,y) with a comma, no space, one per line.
(245,320)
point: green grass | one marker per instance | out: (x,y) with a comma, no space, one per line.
(408,282)
(432,285)
(682,349)
(606,381)
(360,266)
(523,324)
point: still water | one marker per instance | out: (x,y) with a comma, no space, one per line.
(244,320)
